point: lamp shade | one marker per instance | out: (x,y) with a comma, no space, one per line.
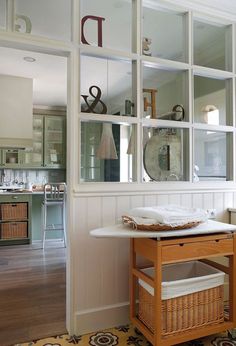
(132,144)
(209,108)
(107,148)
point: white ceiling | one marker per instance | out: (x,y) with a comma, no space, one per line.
(49,74)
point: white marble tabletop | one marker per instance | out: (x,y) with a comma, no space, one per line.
(123,231)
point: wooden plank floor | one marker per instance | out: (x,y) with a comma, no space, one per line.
(32,292)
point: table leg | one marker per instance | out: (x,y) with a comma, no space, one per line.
(232,284)
(132,279)
(157,295)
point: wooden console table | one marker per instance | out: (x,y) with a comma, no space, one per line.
(211,239)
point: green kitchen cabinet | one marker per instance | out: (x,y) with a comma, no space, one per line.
(10,158)
(34,157)
(54,141)
(48,143)
(15,219)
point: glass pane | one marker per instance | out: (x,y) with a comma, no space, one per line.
(212,47)
(164,34)
(210,106)
(165,155)
(48,18)
(113,78)
(3,14)
(165,94)
(107,23)
(54,140)
(108,152)
(210,150)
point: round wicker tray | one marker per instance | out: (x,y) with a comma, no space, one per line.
(127,220)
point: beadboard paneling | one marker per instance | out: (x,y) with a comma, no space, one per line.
(102,268)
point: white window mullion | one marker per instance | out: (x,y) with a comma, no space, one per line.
(10,15)
(75,22)
(136,26)
(233,38)
(189,37)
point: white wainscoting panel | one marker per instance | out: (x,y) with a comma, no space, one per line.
(101,271)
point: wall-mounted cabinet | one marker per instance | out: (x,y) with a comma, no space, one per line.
(54,141)
(49,145)
(10,158)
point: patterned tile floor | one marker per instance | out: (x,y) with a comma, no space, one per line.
(123,336)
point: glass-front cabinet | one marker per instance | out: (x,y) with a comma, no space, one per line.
(10,158)
(34,157)
(54,141)
(49,146)
(156,96)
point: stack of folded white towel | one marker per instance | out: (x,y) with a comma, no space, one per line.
(172,215)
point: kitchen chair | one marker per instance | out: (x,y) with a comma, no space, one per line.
(54,195)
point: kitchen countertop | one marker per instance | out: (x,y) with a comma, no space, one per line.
(24,192)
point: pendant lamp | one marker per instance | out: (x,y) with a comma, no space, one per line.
(107,148)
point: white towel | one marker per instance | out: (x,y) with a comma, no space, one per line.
(172,215)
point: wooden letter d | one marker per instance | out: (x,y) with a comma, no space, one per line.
(99,21)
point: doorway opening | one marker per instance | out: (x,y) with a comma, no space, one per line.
(33,280)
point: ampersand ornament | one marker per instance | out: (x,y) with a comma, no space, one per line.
(97,99)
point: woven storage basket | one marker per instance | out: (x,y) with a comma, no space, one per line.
(181,313)
(14,230)
(13,211)
(127,220)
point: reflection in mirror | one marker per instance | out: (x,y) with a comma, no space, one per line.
(212,45)
(154,43)
(210,155)
(210,105)
(2,14)
(164,154)
(114,79)
(165,94)
(108,152)
(45,18)
(116,24)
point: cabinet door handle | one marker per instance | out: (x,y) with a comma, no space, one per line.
(14,197)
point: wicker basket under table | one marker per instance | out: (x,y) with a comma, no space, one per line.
(183,313)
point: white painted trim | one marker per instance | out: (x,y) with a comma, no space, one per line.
(10,20)
(167,187)
(106,52)
(35,43)
(117,119)
(219,128)
(104,317)
(72,161)
(164,64)
(200,7)
(211,73)
(165,123)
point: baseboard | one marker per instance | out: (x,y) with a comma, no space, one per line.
(37,241)
(110,316)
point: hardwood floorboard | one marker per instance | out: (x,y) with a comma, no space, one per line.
(32,292)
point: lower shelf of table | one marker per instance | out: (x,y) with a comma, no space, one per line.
(183,336)
(16,241)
